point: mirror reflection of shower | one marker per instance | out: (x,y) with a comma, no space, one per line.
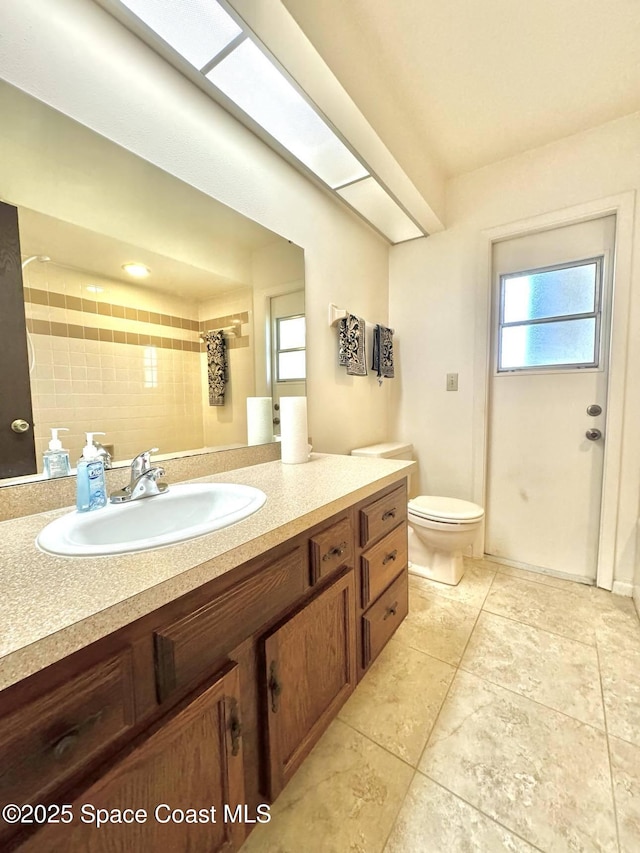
(43,259)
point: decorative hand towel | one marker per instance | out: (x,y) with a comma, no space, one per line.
(351,345)
(216,366)
(383,352)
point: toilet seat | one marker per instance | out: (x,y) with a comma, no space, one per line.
(445,510)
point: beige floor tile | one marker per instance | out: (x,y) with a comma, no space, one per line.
(621,690)
(437,626)
(625,765)
(558,672)
(434,820)
(539,773)
(471,590)
(618,627)
(543,607)
(398,700)
(344,797)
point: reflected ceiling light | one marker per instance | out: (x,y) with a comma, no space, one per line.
(93,288)
(136,270)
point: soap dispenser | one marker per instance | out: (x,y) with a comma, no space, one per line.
(56,458)
(92,490)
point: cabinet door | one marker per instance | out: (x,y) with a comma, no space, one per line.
(191,762)
(310,672)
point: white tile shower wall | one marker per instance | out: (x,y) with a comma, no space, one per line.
(140,395)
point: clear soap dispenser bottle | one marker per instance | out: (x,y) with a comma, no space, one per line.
(92,490)
(56,458)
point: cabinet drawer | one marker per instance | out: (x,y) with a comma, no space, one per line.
(189,647)
(331,549)
(382,515)
(54,735)
(383,617)
(381,563)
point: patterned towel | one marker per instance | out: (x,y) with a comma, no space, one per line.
(216,366)
(351,340)
(383,352)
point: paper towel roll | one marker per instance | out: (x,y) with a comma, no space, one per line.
(293,429)
(259,420)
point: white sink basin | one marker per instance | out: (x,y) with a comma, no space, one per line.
(181,513)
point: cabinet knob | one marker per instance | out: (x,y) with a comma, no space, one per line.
(336,551)
(275,687)
(390,513)
(391,611)
(390,557)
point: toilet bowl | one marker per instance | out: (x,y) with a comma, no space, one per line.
(440,529)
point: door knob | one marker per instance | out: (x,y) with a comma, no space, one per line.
(594,410)
(20,425)
(593,434)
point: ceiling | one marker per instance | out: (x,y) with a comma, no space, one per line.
(475,82)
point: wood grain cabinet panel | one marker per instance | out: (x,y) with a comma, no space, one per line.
(188,648)
(331,549)
(192,761)
(310,672)
(382,515)
(383,618)
(50,738)
(382,563)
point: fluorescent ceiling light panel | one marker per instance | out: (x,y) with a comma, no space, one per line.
(369,199)
(197,29)
(252,82)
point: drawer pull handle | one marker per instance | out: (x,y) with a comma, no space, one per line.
(390,557)
(275,687)
(69,740)
(336,551)
(235,728)
(391,611)
(390,513)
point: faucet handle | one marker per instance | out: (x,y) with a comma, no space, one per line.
(142,462)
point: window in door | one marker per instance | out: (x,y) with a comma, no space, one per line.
(550,317)
(290,348)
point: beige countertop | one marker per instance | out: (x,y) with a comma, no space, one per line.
(52,606)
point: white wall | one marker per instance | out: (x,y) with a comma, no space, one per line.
(75,57)
(434,304)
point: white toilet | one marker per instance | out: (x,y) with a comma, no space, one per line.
(440,529)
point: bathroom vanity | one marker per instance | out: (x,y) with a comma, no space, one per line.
(179,690)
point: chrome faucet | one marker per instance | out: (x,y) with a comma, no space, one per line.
(144,482)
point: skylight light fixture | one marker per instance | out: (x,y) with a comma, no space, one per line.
(266,95)
(229,63)
(197,29)
(376,205)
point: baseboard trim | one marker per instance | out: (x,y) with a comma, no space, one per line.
(622,588)
(541,570)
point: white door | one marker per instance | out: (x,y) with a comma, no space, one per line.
(288,350)
(551,324)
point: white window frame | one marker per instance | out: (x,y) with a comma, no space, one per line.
(290,349)
(596,314)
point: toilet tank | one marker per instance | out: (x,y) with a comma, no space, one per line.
(386,450)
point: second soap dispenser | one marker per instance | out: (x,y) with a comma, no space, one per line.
(56,458)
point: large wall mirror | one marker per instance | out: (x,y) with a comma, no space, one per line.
(125,355)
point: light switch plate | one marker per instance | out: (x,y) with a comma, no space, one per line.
(452,381)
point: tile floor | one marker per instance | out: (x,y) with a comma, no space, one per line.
(504,715)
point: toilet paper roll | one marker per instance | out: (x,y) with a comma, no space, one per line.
(259,420)
(293,429)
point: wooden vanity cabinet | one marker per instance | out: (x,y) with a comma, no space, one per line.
(191,762)
(310,670)
(214,699)
(382,571)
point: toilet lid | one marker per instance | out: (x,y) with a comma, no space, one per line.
(445,509)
